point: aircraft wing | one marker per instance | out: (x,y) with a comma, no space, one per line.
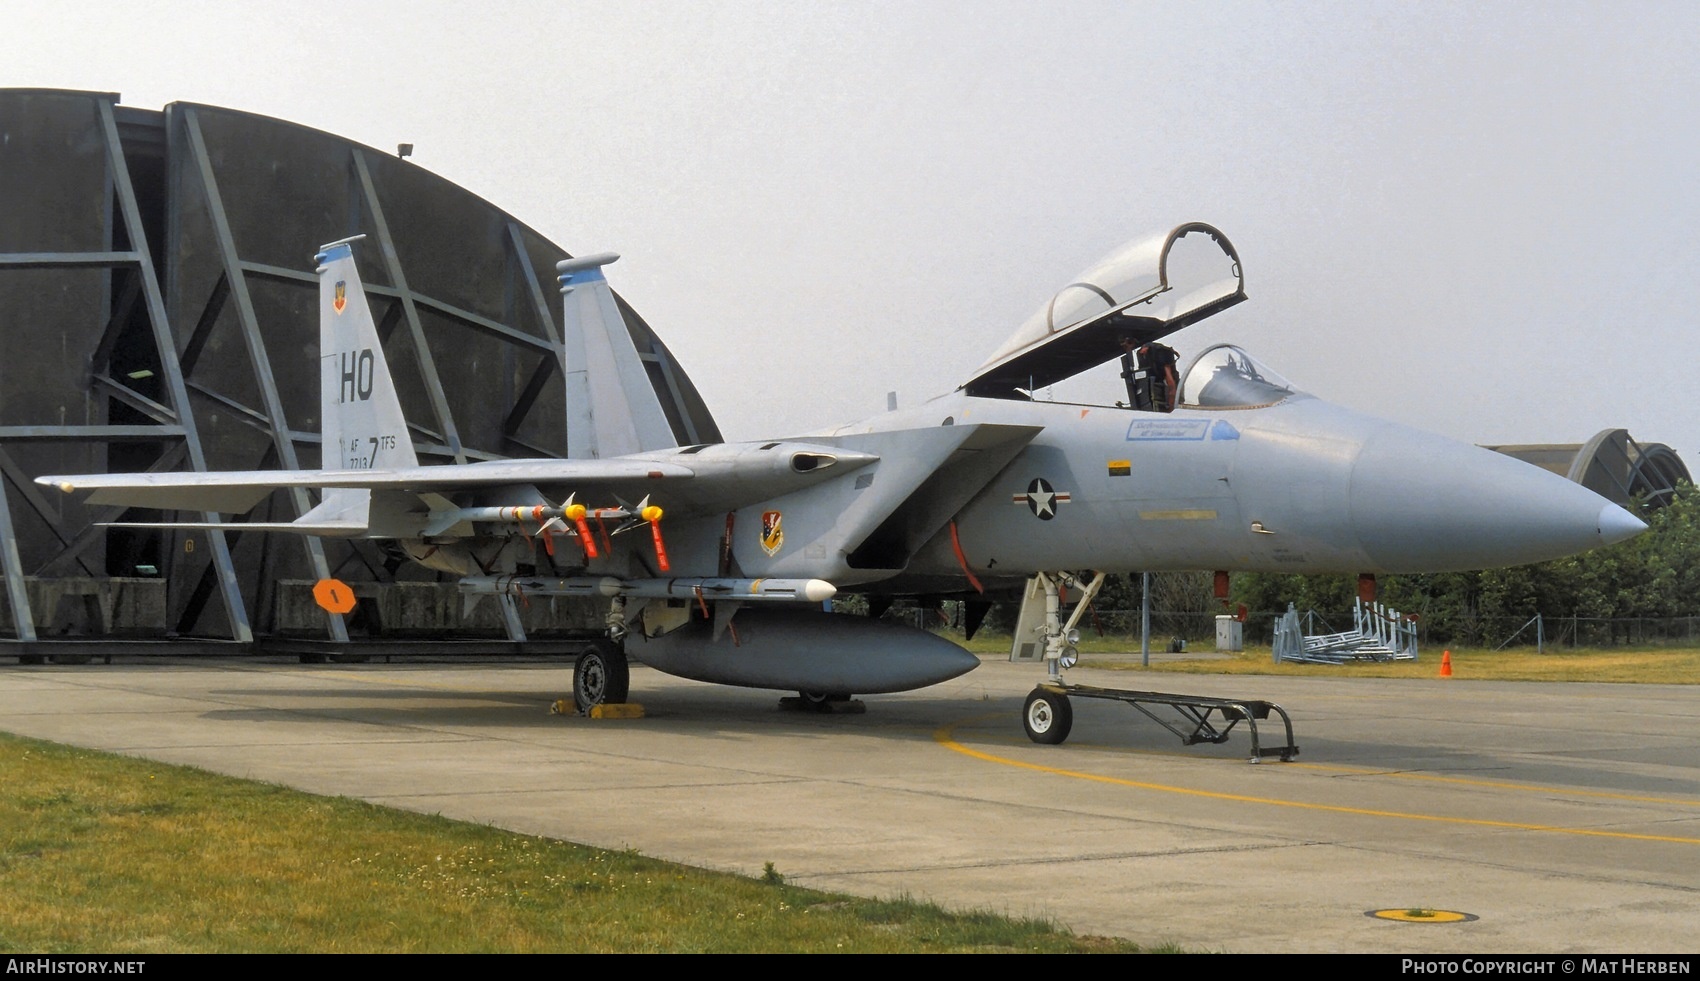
(236,491)
(716,478)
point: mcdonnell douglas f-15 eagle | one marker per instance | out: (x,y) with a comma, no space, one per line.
(1220,465)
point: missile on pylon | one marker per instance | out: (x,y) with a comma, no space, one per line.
(689,588)
(541,515)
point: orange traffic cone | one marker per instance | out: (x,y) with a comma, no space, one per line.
(1446,664)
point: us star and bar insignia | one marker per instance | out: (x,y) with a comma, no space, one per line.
(1042,499)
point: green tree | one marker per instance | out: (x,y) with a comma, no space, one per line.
(1652,575)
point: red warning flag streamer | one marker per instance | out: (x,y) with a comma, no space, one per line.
(576,513)
(652,514)
(962,560)
(726,546)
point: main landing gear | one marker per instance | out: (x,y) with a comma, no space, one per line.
(601,676)
(825,703)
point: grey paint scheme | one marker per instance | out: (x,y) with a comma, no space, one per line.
(1295,486)
(605,416)
(1333,490)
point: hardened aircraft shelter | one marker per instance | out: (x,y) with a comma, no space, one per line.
(1613,465)
(160,312)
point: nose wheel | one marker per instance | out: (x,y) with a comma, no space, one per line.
(600,677)
(1047,716)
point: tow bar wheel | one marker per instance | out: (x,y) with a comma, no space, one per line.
(1047,716)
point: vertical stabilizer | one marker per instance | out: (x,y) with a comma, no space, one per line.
(612,408)
(361,421)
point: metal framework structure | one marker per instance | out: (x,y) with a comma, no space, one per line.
(159,310)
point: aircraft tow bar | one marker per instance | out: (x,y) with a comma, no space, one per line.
(1041,633)
(1048,716)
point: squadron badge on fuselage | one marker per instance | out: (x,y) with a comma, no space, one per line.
(772,534)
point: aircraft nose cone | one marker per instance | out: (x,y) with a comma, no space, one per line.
(1421,502)
(1617,525)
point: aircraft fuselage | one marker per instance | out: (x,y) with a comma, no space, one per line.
(1299,486)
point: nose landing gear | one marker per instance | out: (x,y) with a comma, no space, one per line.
(1047,716)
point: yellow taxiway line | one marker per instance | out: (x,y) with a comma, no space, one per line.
(946,737)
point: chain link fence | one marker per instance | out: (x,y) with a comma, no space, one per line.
(1461,630)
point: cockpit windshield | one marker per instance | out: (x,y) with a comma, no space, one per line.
(1225,377)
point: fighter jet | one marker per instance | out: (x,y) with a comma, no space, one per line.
(714,561)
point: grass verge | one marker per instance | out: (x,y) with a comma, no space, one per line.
(1654,666)
(104,853)
(1644,665)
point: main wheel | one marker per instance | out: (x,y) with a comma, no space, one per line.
(600,677)
(1047,716)
(821,701)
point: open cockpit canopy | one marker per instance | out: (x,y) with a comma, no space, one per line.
(1143,291)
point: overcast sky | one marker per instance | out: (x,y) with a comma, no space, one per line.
(1477,219)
